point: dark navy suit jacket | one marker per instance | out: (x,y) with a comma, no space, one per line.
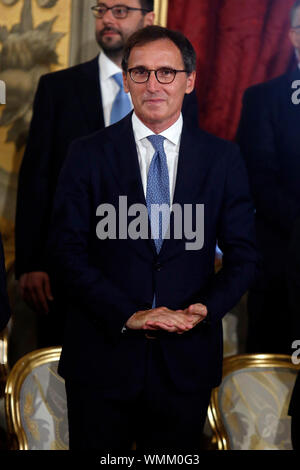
(68,105)
(108,280)
(4,304)
(269,138)
(293,280)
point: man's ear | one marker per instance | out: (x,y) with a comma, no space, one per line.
(295,40)
(125,83)
(190,82)
(149,19)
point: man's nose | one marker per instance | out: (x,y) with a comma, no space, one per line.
(108,17)
(152,83)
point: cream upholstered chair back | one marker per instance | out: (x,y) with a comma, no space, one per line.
(6,333)
(35,402)
(4,368)
(249,410)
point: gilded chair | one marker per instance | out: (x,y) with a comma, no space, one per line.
(4,368)
(249,410)
(35,403)
(5,334)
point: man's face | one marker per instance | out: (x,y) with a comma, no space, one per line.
(295,33)
(112,33)
(158,105)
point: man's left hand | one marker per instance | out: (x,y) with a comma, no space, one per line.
(196,312)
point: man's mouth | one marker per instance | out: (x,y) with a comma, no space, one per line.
(109,32)
(154,100)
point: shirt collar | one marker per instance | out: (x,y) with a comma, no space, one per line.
(107,67)
(173,132)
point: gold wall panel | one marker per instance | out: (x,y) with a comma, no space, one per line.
(161,12)
(34,40)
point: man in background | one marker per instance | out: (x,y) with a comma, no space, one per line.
(68,104)
(269,138)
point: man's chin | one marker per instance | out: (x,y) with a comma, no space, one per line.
(111,47)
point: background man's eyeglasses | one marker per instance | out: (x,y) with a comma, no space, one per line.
(119,11)
(163,75)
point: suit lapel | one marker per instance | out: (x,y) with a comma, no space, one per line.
(88,88)
(191,167)
(191,173)
(126,170)
(125,163)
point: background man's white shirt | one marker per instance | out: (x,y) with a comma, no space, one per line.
(145,149)
(108,86)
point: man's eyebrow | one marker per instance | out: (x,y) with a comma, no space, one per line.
(160,67)
(118,5)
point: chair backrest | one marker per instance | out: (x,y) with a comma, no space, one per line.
(230,335)
(249,410)
(4,367)
(35,403)
(6,333)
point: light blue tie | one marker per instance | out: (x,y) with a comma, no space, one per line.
(121,105)
(158,191)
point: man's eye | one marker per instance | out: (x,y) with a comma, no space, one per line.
(120,10)
(140,71)
(166,72)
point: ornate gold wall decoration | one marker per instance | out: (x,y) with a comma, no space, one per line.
(41,3)
(27,53)
(34,40)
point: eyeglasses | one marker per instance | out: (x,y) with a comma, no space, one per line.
(163,75)
(119,11)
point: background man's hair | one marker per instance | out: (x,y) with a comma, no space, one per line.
(154,33)
(293,12)
(147,4)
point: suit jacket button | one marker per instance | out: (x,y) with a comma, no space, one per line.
(158,266)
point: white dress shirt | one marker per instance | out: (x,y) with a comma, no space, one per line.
(108,86)
(146,151)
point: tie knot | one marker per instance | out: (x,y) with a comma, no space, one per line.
(157,142)
(118,77)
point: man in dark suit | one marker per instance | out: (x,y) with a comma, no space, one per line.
(69,104)
(4,303)
(270,142)
(143,341)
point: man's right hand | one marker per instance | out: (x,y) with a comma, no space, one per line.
(162,318)
(36,290)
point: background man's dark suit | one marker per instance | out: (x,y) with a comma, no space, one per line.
(293,281)
(4,304)
(67,105)
(107,281)
(269,138)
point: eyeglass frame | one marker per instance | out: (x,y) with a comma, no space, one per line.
(155,73)
(128,9)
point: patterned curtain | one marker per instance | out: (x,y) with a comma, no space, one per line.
(238,43)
